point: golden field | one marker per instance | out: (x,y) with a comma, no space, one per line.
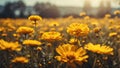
(69,42)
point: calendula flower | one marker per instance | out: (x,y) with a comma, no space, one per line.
(82,13)
(31,42)
(112,34)
(71,54)
(20,60)
(51,36)
(35,18)
(77,29)
(25,30)
(10,46)
(107,16)
(116,12)
(100,49)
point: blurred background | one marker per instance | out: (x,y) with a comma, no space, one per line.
(57,8)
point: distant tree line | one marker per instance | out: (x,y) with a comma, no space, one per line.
(48,10)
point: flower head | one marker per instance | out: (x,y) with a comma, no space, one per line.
(51,36)
(11,46)
(34,18)
(20,60)
(71,54)
(100,49)
(25,30)
(82,13)
(31,42)
(116,12)
(112,34)
(77,29)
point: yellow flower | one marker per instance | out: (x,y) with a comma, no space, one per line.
(51,36)
(32,42)
(39,48)
(97,29)
(25,30)
(112,34)
(4,34)
(77,29)
(86,17)
(107,16)
(54,23)
(73,41)
(100,49)
(82,13)
(11,46)
(116,12)
(2,29)
(71,54)
(35,18)
(20,60)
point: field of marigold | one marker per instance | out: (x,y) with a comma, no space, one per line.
(69,42)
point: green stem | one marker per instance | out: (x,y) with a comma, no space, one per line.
(94,62)
(35,28)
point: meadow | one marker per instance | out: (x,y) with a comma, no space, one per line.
(68,42)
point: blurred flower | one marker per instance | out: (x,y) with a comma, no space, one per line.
(96,29)
(82,13)
(2,29)
(73,41)
(52,29)
(77,29)
(71,54)
(32,42)
(25,30)
(51,36)
(35,18)
(4,35)
(107,16)
(16,35)
(39,48)
(112,34)
(20,60)
(54,23)
(11,46)
(100,49)
(116,12)
(86,17)
(60,29)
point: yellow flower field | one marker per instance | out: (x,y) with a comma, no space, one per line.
(69,42)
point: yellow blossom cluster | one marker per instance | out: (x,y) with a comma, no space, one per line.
(100,49)
(32,42)
(25,30)
(20,60)
(51,36)
(77,29)
(10,46)
(71,54)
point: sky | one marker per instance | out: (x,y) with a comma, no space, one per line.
(78,3)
